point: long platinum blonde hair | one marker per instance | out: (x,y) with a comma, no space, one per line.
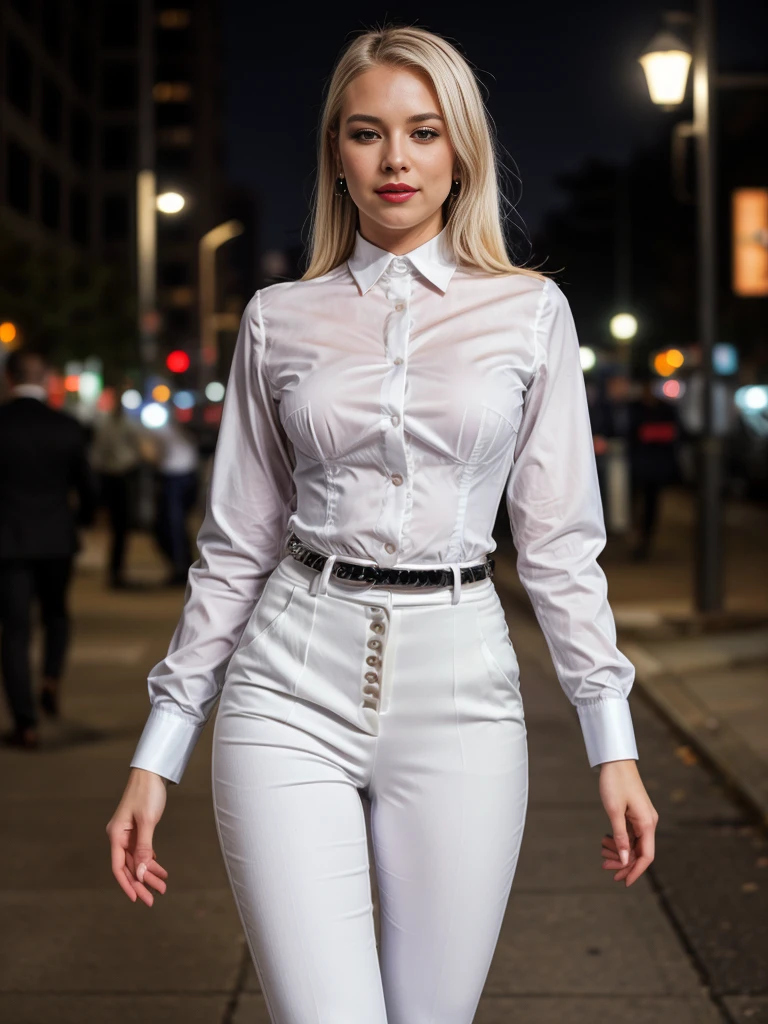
(473,219)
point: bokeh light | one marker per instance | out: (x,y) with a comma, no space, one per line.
(183,399)
(587,357)
(72,382)
(623,326)
(154,415)
(131,399)
(177,362)
(161,393)
(7,332)
(214,391)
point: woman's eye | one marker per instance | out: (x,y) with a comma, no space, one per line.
(368,132)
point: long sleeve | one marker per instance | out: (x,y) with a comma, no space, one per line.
(247,509)
(556,516)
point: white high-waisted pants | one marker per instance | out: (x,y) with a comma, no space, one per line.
(438,745)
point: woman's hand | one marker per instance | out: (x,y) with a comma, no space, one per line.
(130,832)
(633,819)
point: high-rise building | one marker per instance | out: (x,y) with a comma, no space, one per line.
(70,129)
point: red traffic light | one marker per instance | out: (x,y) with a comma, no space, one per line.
(177,362)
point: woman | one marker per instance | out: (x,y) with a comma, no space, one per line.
(377,410)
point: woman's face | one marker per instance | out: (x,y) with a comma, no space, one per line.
(391,132)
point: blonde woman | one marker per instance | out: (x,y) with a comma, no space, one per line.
(343,607)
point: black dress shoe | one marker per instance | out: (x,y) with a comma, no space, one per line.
(27,738)
(49,702)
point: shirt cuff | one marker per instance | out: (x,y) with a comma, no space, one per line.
(608,732)
(166,744)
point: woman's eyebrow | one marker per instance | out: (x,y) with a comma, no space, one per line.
(430,116)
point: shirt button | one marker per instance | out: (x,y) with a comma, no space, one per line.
(399,306)
(398,361)
(396,479)
(390,548)
(395,420)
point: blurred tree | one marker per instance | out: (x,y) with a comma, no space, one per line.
(68,305)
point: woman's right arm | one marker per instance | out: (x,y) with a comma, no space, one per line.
(247,510)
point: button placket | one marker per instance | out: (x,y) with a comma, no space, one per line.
(395,464)
(371,685)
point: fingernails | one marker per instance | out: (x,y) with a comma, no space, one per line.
(140,870)
(624,857)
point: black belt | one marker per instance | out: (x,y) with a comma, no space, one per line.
(381,574)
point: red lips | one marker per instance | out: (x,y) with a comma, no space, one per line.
(397,186)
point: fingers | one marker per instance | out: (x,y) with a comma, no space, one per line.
(153,875)
(645,851)
(640,854)
(120,873)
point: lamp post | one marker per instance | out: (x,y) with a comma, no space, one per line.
(666,62)
(212,322)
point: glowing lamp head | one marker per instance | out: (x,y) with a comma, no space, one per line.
(665,61)
(170,202)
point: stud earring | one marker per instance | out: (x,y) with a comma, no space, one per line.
(340,188)
(455,187)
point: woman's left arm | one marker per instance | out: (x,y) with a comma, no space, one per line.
(556,516)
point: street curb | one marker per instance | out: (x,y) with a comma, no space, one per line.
(712,737)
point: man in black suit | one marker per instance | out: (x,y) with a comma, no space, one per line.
(43,459)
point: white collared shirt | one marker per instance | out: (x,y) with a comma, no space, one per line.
(382,412)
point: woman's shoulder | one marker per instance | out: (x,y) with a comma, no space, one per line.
(279,292)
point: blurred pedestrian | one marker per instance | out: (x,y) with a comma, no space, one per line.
(116,455)
(43,458)
(654,436)
(178,461)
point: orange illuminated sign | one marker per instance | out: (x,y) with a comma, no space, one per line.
(750,241)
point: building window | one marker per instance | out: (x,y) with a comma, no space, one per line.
(117,148)
(79,221)
(120,23)
(80,63)
(25,9)
(174,18)
(118,85)
(80,138)
(115,217)
(173,161)
(50,20)
(174,274)
(18,177)
(173,115)
(51,114)
(171,92)
(18,75)
(50,198)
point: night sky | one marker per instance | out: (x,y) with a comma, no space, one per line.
(561,81)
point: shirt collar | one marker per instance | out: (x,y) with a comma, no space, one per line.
(30,391)
(433,259)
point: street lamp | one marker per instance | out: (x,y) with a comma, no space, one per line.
(666,62)
(666,68)
(212,322)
